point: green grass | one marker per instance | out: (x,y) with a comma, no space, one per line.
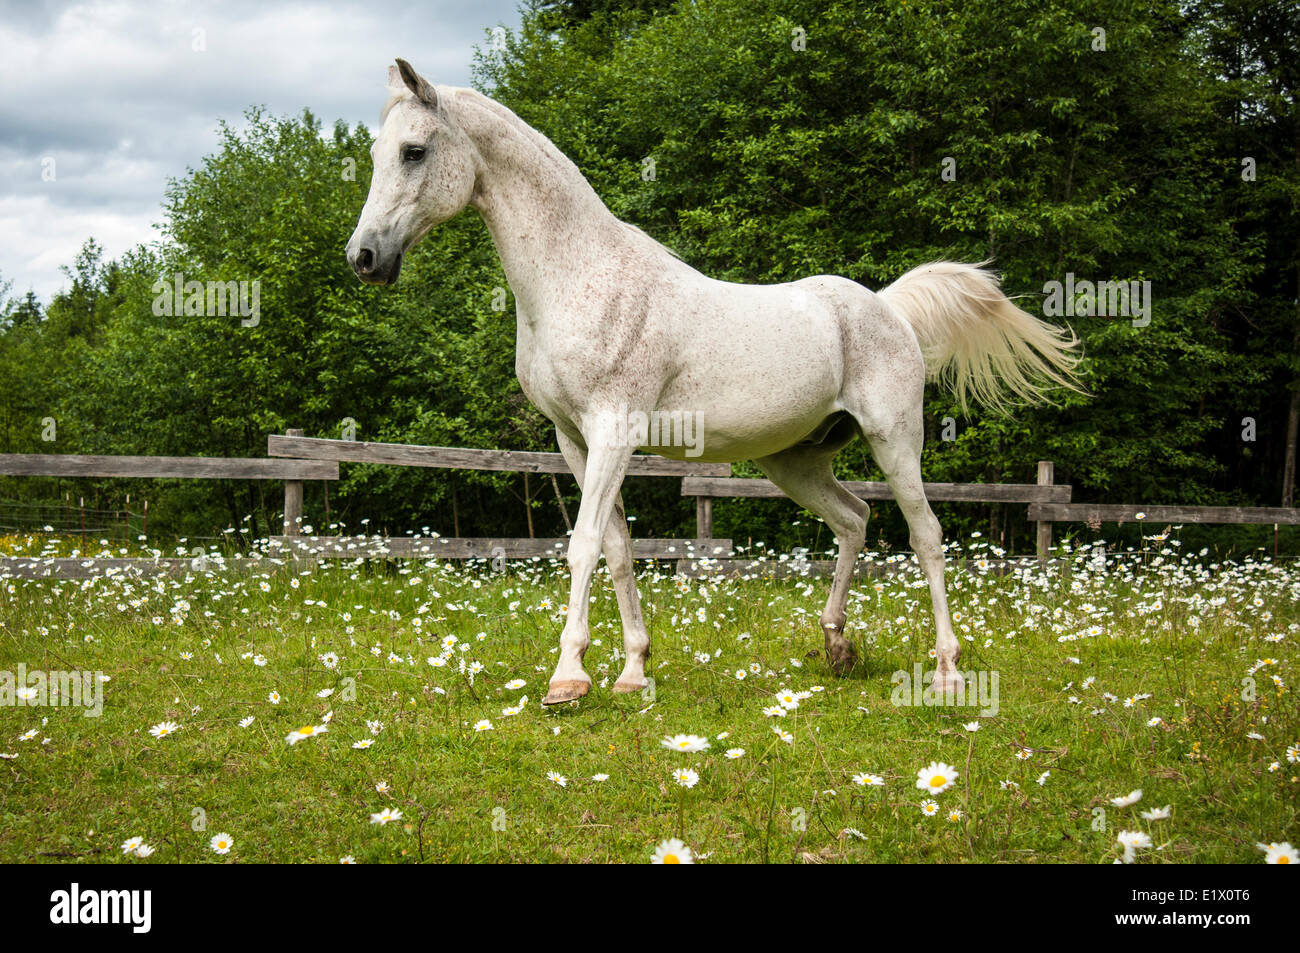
(1159,628)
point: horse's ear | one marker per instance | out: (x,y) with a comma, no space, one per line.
(417,84)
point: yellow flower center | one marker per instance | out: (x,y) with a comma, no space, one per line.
(937,781)
(1284,859)
(305,731)
(671,859)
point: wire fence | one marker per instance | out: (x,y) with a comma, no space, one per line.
(71,517)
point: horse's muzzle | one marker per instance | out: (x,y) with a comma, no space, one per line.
(373,268)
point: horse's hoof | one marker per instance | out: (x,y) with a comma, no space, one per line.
(842,660)
(626,688)
(567,690)
(949,685)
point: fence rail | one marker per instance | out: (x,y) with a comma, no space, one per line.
(295,459)
(461,458)
(1133,513)
(467,547)
(185,468)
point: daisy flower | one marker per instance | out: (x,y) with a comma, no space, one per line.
(686,777)
(734,753)
(1127,800)
(1131,841)
(386,815)
(1156,814)
(929,807)
(1282,853)
(936,778)
(363,743)
(955,815)
(245,722)
(483,725)
(221,843)
(558,778)
(164,728)
(515,683)
(672,851)
(306,731)
(868,780)
(600,777)
(687,743)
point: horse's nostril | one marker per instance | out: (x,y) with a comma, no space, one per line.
(365,260)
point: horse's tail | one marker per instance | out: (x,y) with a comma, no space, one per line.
(976,341)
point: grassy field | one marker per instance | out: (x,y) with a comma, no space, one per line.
(1160,671)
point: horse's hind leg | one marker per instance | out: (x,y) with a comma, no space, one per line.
(804,474)
(899,456)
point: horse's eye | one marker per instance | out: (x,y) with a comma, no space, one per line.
(412,154)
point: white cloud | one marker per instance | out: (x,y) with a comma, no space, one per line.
(120,98)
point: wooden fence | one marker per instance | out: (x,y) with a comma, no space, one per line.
(297,459)
(293,444)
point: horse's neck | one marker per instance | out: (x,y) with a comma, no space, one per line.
(544,217)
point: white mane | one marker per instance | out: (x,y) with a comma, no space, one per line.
(399,94)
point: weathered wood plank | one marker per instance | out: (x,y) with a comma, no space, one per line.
(1125,513)
(825,568)
(1043,540)
(354,547)
(464,458)
(210,468)
(64,567)
(935,492)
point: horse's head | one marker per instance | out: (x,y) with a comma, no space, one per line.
(424,174)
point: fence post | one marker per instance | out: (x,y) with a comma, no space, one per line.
(292,497)
(1046,476)
(704,518)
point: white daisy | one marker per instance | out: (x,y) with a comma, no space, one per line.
(936,778)
(672,851)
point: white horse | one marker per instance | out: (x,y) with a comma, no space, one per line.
(612,325)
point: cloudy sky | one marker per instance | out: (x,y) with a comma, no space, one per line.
(122,95)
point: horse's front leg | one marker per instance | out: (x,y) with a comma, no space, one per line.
(617,545)
(606,465)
